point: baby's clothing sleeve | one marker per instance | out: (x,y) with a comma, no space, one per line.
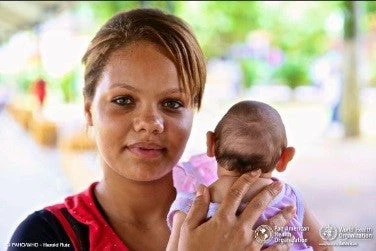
(183,202)
(199,169)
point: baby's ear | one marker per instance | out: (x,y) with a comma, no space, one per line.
(210,143)
(286,156)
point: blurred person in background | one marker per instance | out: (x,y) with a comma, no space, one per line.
(327,74)
(39,90)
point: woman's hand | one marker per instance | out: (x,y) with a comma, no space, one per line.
(225,230)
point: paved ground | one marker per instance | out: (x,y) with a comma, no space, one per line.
(30,177)
(336,177)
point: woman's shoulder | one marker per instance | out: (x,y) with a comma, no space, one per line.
(39,228)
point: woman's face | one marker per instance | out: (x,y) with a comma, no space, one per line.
(141,117)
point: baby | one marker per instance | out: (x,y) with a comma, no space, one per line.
(251,136)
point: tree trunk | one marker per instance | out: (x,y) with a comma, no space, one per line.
(350,103)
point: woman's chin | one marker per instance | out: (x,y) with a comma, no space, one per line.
(146,176)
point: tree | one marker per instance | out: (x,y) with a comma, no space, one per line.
(219,24)
(350,104)
(101,11)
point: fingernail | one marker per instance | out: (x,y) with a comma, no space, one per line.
(200,190)
(293,209)
(277,186)
(255,172)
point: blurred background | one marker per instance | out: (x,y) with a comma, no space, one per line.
(313,61)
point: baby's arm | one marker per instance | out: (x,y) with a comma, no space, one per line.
(313,234)
(173,242)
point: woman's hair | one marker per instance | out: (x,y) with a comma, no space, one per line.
(169,32)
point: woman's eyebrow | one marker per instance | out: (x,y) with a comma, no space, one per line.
(174,91)
(134,89)
(123,85)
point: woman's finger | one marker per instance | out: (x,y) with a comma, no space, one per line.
(279,247)
(275,223)
(198,212)
(259,203)
(282,218)
(232,200)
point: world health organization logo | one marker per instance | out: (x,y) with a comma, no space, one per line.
(263,234)
(329,233)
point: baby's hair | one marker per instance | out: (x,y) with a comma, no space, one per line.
(250,136)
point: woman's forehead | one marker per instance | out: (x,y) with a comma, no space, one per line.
(141,65)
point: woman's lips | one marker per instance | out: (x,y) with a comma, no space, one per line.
(146,150)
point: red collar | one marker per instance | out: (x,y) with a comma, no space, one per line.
(83,208)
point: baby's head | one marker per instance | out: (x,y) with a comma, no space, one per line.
(250,136)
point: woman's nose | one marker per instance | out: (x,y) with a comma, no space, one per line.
(149,120)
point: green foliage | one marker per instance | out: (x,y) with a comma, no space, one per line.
(350,24)
(296,27)
(168,6)
(25,80)
(68,86)
(370,6)
(293,73)
(254,72)
(219,24)
(103,10)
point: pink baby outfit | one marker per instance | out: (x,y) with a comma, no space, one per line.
(201,169)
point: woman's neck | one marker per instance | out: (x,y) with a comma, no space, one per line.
(134,202)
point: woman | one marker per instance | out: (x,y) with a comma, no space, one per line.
(145,76)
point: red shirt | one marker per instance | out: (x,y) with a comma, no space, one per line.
(83,208)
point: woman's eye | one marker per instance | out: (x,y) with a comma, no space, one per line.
(123,101)
(173,104)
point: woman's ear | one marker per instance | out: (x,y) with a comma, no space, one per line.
(286,156)
(210,143)
(88,115)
